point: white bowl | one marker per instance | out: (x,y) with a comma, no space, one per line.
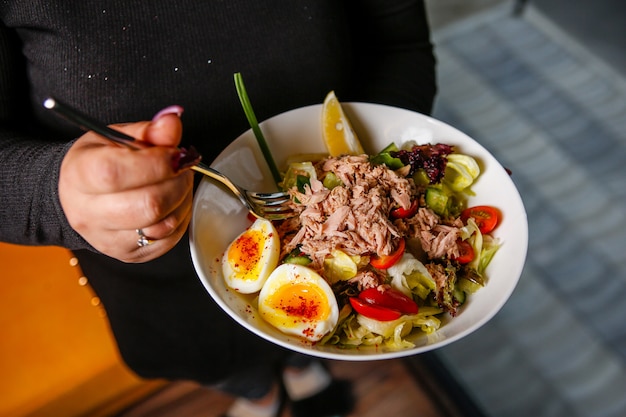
(218,217)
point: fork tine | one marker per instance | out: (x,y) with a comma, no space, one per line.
(278,215)
(276,194)
(278,205)
(276,199)
(272,199)
(283,208)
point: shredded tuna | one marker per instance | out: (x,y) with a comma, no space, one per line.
(353,217)
(437,239)
(367,279)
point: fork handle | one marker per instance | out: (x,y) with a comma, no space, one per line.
(86,123)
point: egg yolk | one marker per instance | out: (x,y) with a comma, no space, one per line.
(245,252)
(302,301)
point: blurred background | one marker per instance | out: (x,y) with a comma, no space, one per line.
(541,84)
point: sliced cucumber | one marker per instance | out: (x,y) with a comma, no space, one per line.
(437,200)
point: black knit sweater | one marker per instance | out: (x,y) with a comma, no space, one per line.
(121,60)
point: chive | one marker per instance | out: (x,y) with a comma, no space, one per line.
(247,108)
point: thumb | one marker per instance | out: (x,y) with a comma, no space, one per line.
(166,128)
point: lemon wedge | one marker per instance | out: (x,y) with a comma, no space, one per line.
(337,131)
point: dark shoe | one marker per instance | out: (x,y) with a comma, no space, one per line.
(335,400)
(282,399)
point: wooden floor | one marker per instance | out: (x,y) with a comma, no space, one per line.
(382,388)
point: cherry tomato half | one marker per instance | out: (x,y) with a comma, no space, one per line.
(466,252)
(402,213)
(373,311)
(390,298)
(486,217)
(387,261)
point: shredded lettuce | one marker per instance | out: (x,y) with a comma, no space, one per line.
(485,246)
(410,276)
(490,247)
(461,171)
(340,266)
(295,171)
(357,330)
(332,338)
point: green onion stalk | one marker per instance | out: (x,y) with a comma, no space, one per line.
(258,134)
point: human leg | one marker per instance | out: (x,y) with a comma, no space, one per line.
(313,391)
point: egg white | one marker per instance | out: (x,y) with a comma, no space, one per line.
(298,301)
(246,267)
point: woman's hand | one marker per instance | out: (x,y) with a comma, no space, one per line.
(108,192)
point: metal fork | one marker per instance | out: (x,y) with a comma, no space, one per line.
(271,206)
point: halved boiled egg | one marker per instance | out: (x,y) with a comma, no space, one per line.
(251,257)
(297,300)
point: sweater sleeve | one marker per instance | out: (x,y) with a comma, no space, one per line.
(30,211)
(395,56)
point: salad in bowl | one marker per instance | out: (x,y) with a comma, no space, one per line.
(407,237)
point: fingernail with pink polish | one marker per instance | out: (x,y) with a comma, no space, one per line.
(175,109)
(185,158)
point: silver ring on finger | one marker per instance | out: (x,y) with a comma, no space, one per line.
(143,240)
